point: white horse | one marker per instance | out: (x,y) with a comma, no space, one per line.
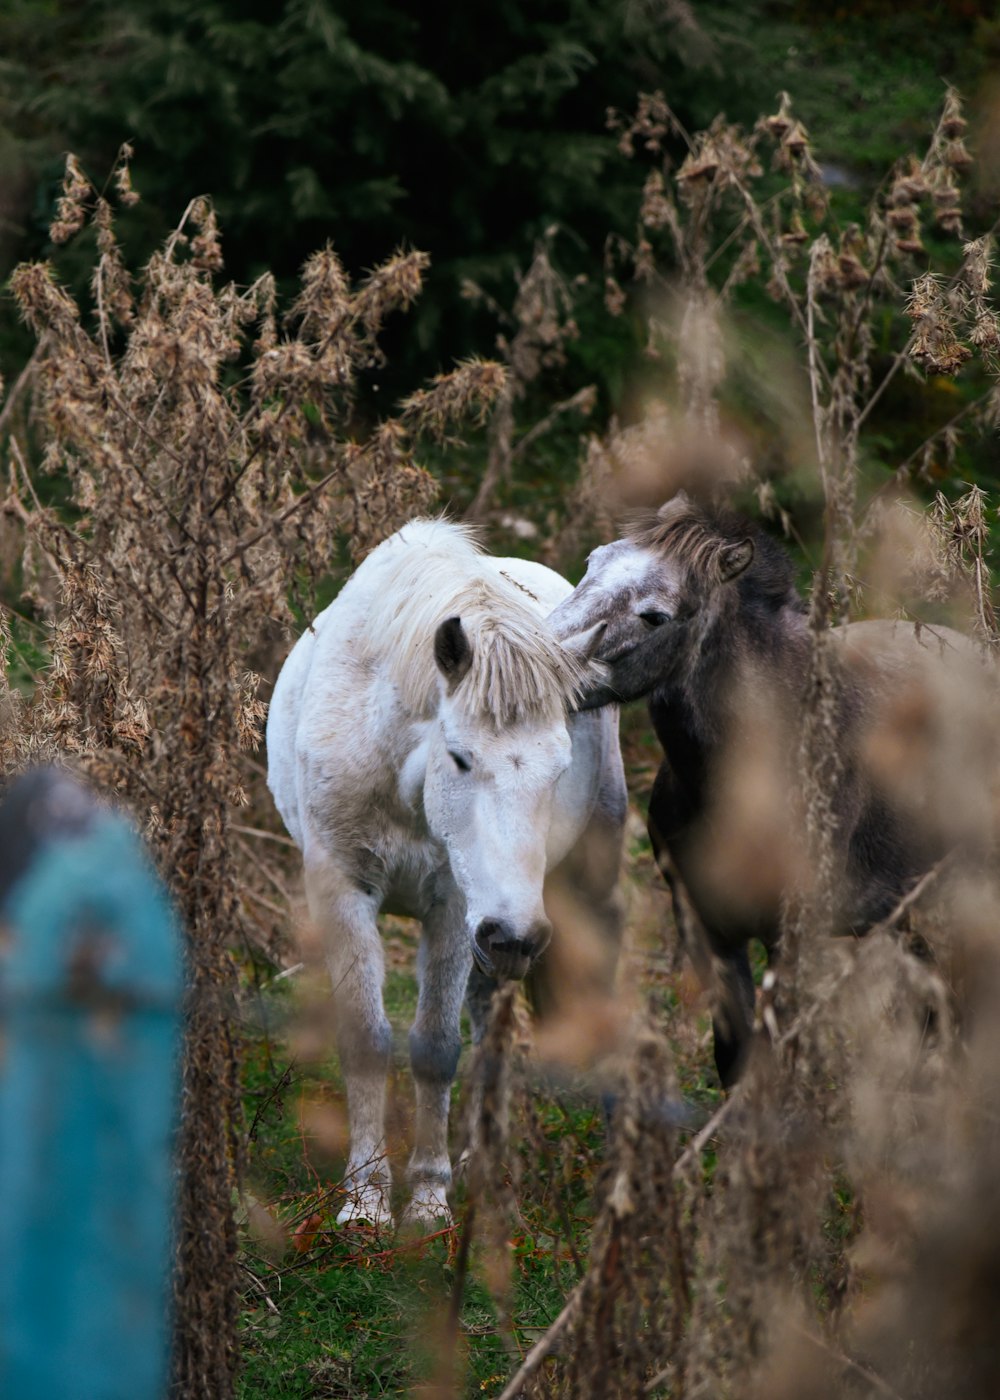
(423,753)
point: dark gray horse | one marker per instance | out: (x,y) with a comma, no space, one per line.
(701,614)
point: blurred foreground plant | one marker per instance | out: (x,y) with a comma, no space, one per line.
(804,1232)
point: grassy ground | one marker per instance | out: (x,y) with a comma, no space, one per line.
(346,1312)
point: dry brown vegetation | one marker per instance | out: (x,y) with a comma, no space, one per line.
(211,476)
(831,1228)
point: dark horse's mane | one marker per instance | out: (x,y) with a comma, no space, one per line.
(694,535)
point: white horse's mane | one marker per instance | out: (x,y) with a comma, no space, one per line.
(433,570)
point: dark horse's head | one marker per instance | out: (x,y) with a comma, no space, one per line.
(655,589)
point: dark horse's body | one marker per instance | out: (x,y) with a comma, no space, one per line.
(702,616)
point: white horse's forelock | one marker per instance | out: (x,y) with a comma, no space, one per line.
(519,672)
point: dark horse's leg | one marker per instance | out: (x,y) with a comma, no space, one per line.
(724,971)
(732,1022)
(721,964)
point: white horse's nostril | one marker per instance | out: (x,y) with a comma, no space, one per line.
(492,932)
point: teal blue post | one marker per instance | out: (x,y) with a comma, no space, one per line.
(90,1016)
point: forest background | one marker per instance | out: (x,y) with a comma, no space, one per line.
(475,137)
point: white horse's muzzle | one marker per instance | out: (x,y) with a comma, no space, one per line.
(502,953)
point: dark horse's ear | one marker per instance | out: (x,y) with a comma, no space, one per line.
(452,651)
(733,559)
(679,502)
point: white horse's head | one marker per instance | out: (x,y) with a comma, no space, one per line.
(497,749)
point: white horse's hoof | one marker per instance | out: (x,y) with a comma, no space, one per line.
(366,1205)
(428,1209)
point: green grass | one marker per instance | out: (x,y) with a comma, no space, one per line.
(349,1312)
(360,1317)
(346,1312)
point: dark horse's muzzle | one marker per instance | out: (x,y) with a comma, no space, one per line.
(501,953)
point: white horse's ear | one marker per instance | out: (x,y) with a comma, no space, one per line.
(452,651)
(733,559)
(583,645)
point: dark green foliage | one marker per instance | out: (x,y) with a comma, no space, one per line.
(464,131)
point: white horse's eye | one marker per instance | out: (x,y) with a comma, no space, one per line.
(462,764)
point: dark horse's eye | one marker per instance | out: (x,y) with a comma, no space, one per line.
(462,764)
(654,618)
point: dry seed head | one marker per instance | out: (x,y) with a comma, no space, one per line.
(934,345)
(655,210)
(952,123)
(747,264)
(205,246)
(824,271)
(816,199)
(945,194)
(394,286)
(651,123)
(938,351)
(795,233)
(956,155)
(71,211)
(852,274)
(699,165)
(976,268)
(796,139)
(469,390)
(614,297)
(902,219)
(324,299)
(909,185)
(782,122)
(912,246)
(947,202)
(41,301)
(123,176)
(985,333)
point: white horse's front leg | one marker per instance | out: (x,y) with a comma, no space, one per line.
(347,919)
(443,964)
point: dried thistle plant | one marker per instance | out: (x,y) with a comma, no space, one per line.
(542,324)
(741,206)
(211,478)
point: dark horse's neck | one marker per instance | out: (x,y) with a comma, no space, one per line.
(693,711)
(682,736)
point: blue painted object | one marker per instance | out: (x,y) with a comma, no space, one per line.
(90,1018)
